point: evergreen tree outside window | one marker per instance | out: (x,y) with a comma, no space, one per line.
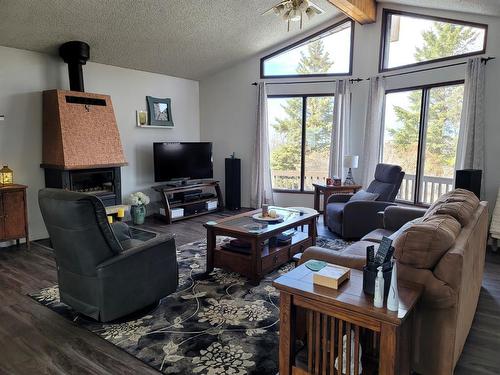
(335,45)
(410,39)
(300,128)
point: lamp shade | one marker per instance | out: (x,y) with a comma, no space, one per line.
(351,161)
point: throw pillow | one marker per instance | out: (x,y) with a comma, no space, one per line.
(362,195)
(423,244)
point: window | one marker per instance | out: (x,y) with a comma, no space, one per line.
(421,129)
(411,39)
(300,130)
(334,44)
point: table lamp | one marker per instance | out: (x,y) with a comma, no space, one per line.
(350,161)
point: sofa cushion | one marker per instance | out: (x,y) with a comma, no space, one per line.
(458,203)
(364,196)
(335,211)
(422,244)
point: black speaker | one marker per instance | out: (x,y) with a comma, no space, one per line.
(233,183)
(469,179)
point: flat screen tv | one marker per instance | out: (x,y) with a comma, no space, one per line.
(182,160)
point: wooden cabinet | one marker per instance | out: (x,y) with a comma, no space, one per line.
(13,213)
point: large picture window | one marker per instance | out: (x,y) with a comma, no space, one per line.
(335,43)
(412,39)
(300,129)
(421,127)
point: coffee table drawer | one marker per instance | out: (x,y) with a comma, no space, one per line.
(275,259)
(300,247)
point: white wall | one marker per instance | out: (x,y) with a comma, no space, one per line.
(23,77)
(228,102)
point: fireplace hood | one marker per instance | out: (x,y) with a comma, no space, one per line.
(79,128)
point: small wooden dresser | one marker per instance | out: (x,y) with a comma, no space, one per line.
(13,213)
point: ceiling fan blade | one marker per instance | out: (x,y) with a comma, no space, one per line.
(271,10)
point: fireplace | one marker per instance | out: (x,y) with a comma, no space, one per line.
(104,183)
(82,150)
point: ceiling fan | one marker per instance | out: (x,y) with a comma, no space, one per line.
(294,10)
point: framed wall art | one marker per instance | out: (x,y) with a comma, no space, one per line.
(160,112)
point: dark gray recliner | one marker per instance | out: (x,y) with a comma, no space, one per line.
(102,271)
(354,219)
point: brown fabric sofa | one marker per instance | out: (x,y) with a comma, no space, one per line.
(444,252)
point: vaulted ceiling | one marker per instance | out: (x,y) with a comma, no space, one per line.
(183,38)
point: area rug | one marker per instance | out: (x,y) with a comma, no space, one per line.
(215,325)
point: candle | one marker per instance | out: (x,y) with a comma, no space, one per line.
(110,219)
(121,213)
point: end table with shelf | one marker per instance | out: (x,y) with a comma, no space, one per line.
(327,190)
(325,315)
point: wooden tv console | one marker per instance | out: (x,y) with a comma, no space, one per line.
(170,189)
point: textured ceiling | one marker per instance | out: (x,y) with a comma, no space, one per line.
(183,38)
(485,7)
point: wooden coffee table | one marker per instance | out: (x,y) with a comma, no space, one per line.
(320,313)
(260,259)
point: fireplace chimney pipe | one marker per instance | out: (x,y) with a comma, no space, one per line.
(75,54)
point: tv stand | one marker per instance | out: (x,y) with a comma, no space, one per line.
(170,189)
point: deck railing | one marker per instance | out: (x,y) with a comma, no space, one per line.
(290,180)
(432,188)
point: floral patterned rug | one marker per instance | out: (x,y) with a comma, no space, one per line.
(217,325)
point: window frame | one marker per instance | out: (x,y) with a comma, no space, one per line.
(384,47)
(301,41)
(303,138)
(422,131)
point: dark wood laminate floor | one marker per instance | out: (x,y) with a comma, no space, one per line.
(35,340)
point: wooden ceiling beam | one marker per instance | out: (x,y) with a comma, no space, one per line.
(361,11)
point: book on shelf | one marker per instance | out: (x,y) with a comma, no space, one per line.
(331,276)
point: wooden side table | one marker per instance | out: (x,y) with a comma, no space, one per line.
(328,190)
(14,213)
(330,315)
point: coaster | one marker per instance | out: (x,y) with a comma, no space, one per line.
(315,265)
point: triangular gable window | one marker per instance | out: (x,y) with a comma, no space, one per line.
(332,48)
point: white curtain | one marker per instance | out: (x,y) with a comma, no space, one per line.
(261,188)
(373,128)
(470,150)
(341,125)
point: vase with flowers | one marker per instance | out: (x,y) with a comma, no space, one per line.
(138,201)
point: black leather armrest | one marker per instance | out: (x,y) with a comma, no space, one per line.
(148,253)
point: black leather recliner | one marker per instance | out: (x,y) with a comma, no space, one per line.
(354,219)
(102,271)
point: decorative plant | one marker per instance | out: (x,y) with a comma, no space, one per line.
(139,199)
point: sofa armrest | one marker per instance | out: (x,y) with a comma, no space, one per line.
(339,198)
(396,216)
(334,257)
(141,258)
(361,217)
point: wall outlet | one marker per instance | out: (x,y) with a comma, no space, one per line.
(2,117)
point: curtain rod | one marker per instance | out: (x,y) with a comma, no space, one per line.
(352,80)
(484,59)
(295,82)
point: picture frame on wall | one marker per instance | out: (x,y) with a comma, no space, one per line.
(160,112)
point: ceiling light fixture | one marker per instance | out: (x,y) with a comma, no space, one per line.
(294,11)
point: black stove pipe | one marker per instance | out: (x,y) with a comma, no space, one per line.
(75,54)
